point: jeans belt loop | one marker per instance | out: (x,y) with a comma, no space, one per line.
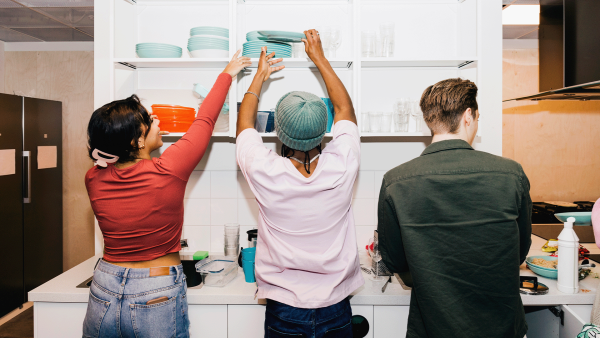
(177,278)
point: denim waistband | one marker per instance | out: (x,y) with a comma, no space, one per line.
(106,267)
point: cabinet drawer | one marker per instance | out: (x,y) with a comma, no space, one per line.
(575,316)
(208,321)
(390,321)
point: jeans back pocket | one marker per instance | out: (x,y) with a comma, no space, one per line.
(340,332)
(272,333)
(156,320)
(94,316)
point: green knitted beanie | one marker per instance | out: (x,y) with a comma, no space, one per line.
(300,120)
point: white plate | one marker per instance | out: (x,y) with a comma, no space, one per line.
(209,53)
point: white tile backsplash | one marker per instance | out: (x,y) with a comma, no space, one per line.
(198,237)
(364,185)
(247,211)
(223,211)
(217,232)
(196,211)
(198,185)
(219,156)
(244,190)
(223,184)
(364,211)
(378,181)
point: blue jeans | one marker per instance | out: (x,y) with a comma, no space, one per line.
(117,305)
(282,320)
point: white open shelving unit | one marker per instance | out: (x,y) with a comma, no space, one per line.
(435,40)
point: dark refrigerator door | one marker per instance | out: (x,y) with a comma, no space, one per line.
(11,205)
(43,218)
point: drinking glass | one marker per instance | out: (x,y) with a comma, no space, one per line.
(364,122)
(401,114)
(325,34)
(386,122)
(416,114)
(368,43)
(387,32)
(336,40)
(375,121)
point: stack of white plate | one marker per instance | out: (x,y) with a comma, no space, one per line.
(252,49)
(209,42)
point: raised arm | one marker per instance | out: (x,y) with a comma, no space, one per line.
(181,158)
(247,114)
(342,104)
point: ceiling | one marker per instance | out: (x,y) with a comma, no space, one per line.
(520,32)
(46,20)
(73,20)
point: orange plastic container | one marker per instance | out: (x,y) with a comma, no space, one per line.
(174,119)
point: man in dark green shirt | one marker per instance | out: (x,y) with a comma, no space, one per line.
(458,221)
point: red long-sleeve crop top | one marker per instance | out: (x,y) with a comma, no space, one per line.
(140,208)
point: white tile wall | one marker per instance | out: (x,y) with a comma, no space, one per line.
(217,192)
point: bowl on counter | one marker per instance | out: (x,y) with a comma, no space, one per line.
(581,217)
(540,270)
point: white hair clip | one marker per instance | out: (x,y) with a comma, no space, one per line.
(101,161)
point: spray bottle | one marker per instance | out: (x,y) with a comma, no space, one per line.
(568,259)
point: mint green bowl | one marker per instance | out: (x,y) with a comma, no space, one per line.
(581,218)
(158,54)
(540,270)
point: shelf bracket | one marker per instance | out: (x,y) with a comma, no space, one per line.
(133,2)
(466,63)
(128,65)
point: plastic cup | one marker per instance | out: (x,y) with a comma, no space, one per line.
(248,267)
(249,254)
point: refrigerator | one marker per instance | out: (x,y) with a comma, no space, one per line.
(31,215)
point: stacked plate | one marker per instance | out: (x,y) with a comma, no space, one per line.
(157,50)
(281,36)
(209,42)
(252,49)
(252,36)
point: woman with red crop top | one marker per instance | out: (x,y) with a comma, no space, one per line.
(139,288)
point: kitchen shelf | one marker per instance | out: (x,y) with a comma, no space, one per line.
(178,2)
(403,134)
(294,2)
(173,62)
(217,133)
(395,62)
(305,63)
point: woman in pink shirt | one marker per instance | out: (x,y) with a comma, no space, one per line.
(306,256)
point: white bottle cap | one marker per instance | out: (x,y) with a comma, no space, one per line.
(569,222)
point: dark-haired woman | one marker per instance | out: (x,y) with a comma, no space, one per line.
(139,288)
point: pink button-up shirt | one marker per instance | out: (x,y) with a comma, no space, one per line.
(306,254)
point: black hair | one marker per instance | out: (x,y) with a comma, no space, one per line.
(116,127)
(288,152)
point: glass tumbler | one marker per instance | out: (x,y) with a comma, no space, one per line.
(387,34)
(364,122)
(417,115)
(368,43)
(375,121)
(401,115)
(386,122)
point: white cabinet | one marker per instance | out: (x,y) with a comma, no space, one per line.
(208,321)
(245,321)
(58,320)
(390,321)
(575,316)
(434,40)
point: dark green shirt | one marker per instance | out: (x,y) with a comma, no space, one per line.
(459,221)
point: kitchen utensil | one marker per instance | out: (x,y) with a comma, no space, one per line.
(217,271)
(581,218)
(386,284)
(529,285)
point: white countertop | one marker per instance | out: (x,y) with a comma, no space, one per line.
(62,289)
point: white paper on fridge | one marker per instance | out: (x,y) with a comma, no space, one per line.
(7,162)
(46,157)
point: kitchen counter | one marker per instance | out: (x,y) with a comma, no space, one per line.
(62,289)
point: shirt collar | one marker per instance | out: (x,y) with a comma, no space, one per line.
(446,145)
